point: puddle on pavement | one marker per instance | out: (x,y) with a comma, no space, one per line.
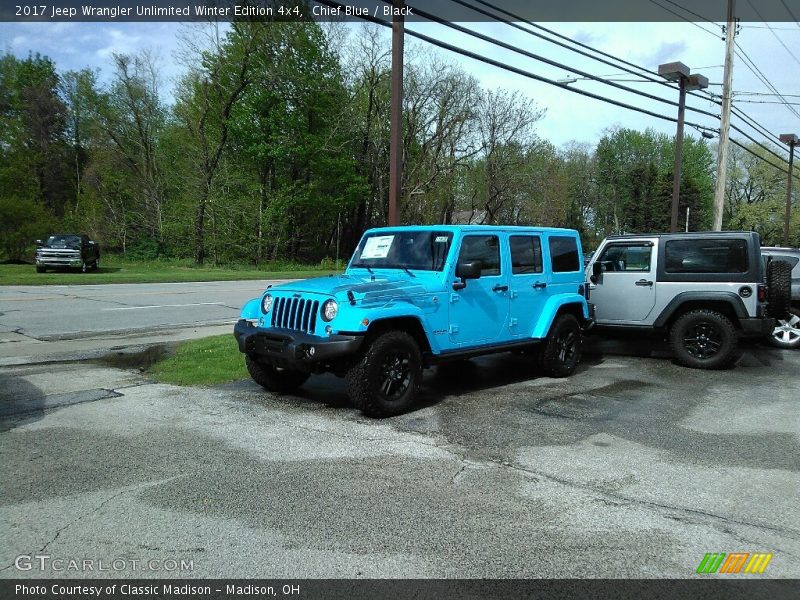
(138,359)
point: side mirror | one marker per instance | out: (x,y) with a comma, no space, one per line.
(39,243)
(469,270)
(466,270)
(597,269)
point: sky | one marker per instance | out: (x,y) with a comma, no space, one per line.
(569,117)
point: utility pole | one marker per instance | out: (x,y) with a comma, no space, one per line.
(396,113)
(791,139)
(679,72)
(725,122)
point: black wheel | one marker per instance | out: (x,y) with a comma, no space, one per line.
(274,379)
(96,264)
(40,269)
(385,380)
(779,288)
(561,351)
(787,331)
(84,267)
(704,339)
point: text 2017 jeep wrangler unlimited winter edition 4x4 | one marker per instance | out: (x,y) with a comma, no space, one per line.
(417,296)
(703,290)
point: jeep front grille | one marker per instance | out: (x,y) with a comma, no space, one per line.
(295,313)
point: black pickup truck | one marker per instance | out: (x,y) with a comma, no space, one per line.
(67,250)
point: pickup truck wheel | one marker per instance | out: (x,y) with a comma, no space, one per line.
(561,351)
(704,339)
(84,267)
(779,288)
(787,331)
(96,265)
(385,380)
(274,379)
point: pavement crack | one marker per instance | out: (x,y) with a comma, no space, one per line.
(536,475)
(125,490)
(652,504)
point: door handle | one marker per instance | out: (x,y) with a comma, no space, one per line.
(539,285)
(500,288)
(644,282)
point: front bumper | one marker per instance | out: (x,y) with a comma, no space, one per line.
(757,327)
(287,348)
(54,261)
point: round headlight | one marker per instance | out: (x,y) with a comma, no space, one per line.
(266,303)
(330,308)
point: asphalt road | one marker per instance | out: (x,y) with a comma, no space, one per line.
(634,467)
(75,311)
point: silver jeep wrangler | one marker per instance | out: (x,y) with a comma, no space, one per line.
(704,291)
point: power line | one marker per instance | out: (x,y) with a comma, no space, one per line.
(691,12)
(748,62)
(516,25)
(752,69)
(548,61)
(791,14)
(680,16)
(516,70)
(764,94)
(774,137)
(772,31)
(529,75)
(781,169)
(765,27)
(770,102)
(650,76)
(740,114)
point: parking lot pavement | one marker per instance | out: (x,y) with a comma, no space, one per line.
(57,312)
(634,467)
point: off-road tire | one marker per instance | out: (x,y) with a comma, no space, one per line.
(560,353)
(274,379)
(779,289)
(40,269)
(787,331)
(391,359)
(704,339)
(84,267)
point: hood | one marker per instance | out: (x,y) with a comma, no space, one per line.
(384,285)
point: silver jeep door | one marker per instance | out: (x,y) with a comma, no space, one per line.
(625,290)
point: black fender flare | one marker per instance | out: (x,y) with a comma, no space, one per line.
(730,298)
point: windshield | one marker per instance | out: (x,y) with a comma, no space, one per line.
(419,250)
(65,241)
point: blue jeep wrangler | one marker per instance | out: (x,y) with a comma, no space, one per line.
(412,297)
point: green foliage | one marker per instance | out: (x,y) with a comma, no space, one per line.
(635,174)
(275,149)
(21,222)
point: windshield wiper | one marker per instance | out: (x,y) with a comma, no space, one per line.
(407,270)
(363,266)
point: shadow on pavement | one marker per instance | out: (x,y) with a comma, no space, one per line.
(21,402)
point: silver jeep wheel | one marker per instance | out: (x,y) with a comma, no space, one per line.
(787,331)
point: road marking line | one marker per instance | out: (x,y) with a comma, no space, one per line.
(166,306)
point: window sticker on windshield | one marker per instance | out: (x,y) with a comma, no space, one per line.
(377,247)
(441,239)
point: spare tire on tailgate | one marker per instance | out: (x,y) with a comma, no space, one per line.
(779,288)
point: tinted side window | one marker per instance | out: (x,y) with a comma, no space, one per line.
(484,249)
(564,254)
(792,260)
(626,258)
(526,254)
(705,256)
